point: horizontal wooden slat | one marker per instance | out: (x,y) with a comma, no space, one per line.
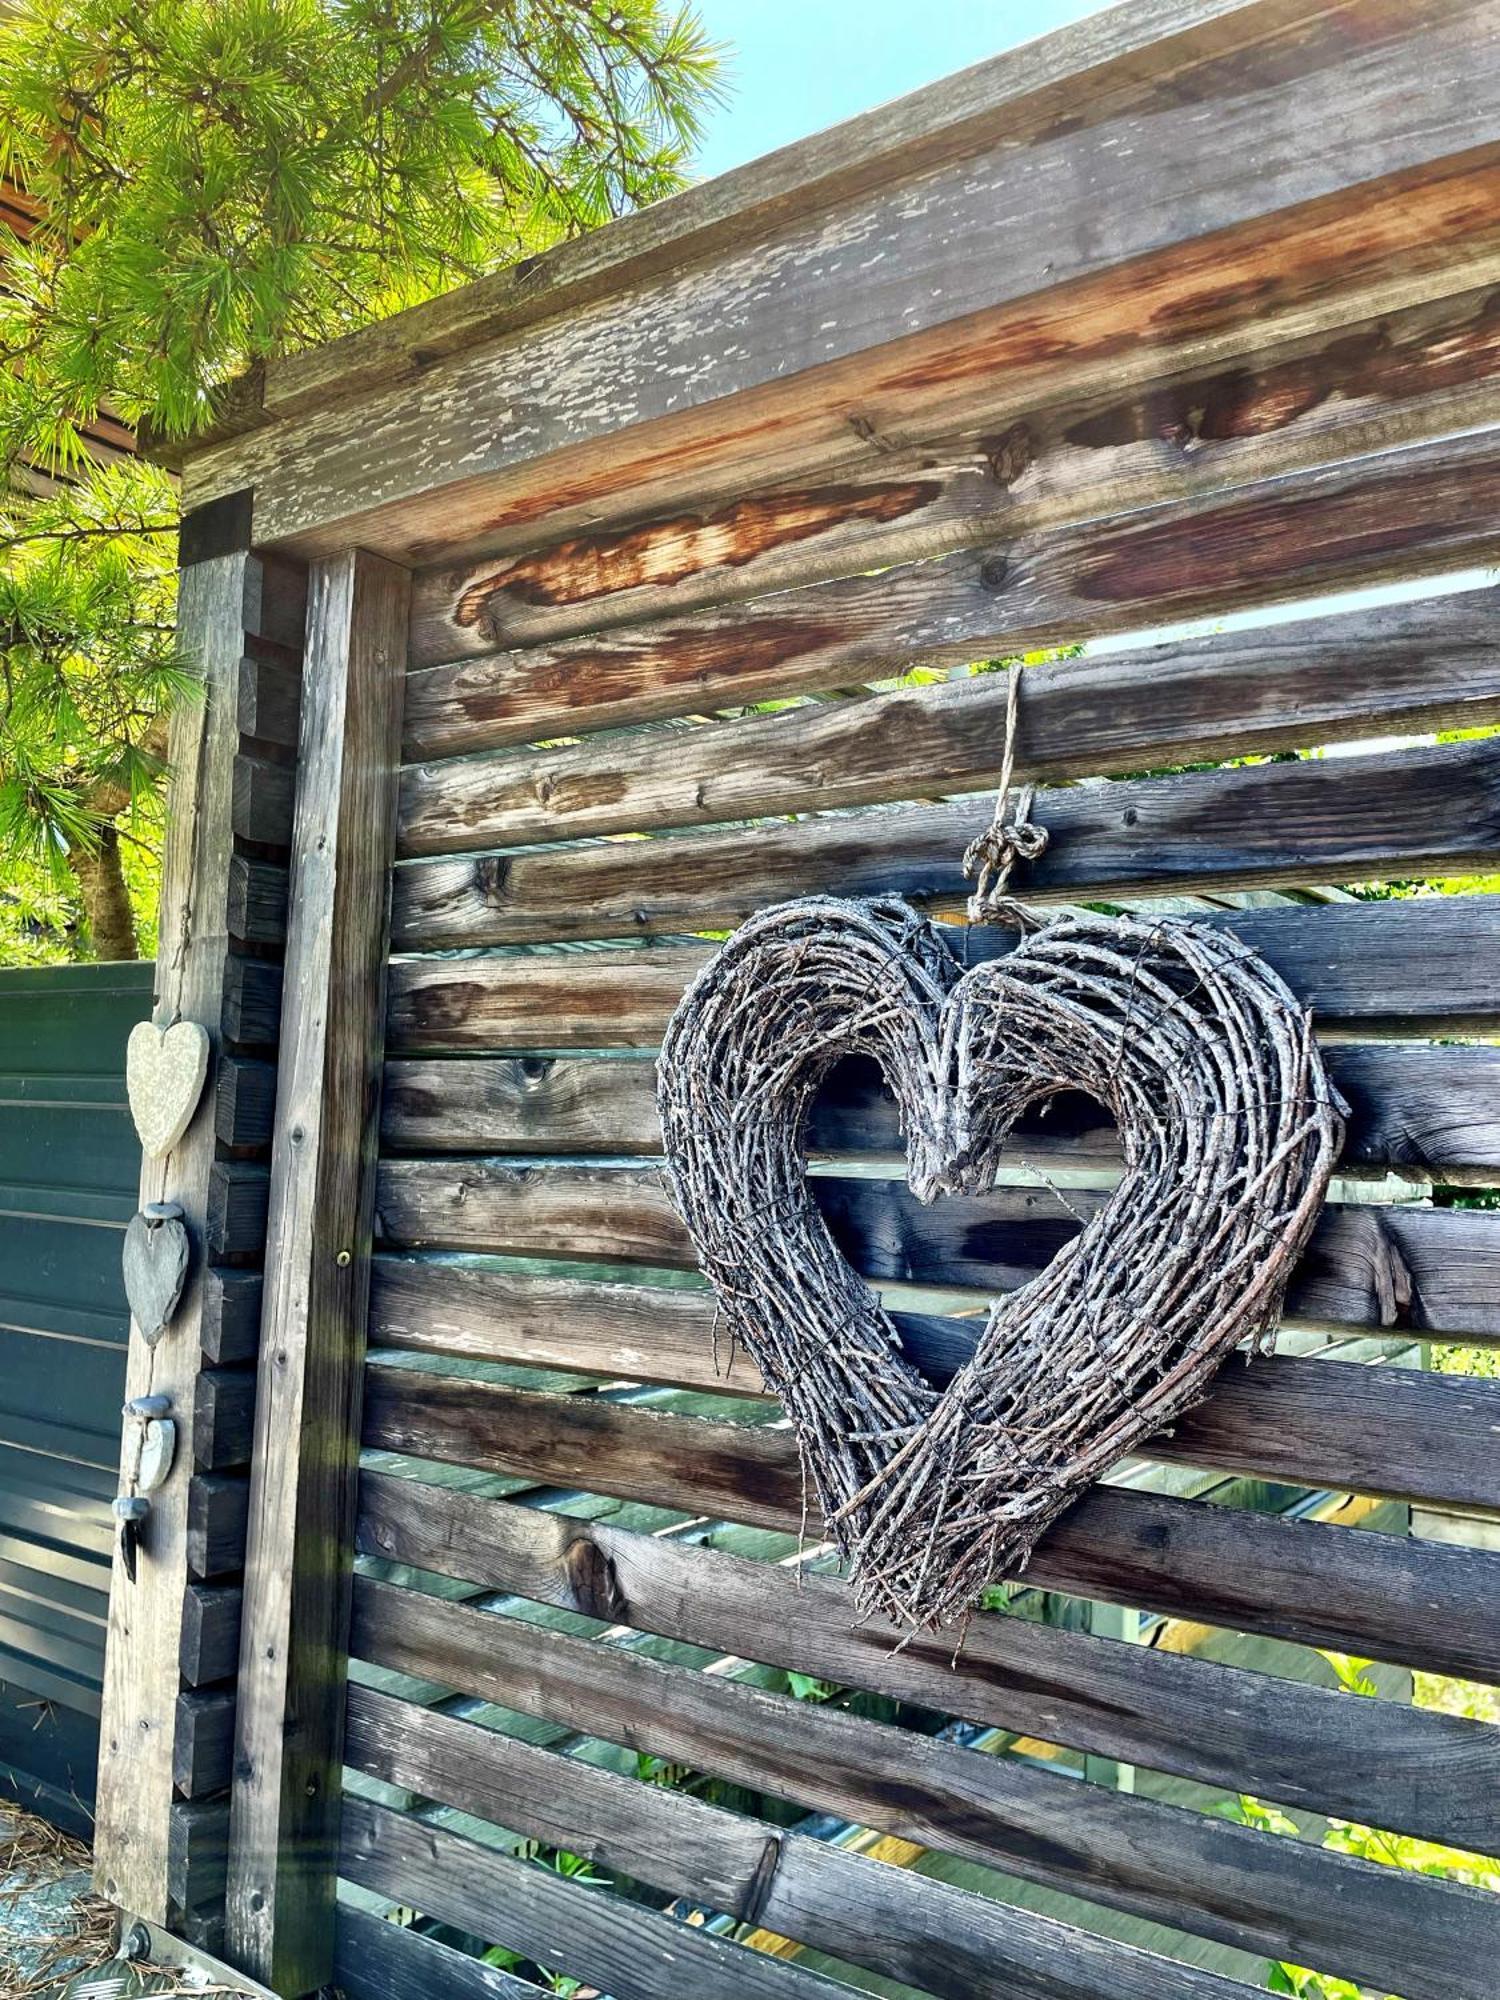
(1417,1604)
(1433,1110)
(1432,959)
(218,1509)
(256,897)
(230,1328)
(1397,668)
(1079,225)
(375,1959)
(203,1750)
(268,699)
(262,800)
(244,1101)
(1413,812)
(223,1418)
(956,1944)
(235,1219)
(1161,1862)
(1395,1432)
(619,1947)
(1409,1769)
(210,1649)
(1380,518)
(1278,406)
(1433,1270)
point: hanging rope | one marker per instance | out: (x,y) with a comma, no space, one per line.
(990,859)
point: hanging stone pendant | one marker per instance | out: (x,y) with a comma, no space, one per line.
(155,1262)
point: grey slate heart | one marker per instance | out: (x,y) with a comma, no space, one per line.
(155,1262)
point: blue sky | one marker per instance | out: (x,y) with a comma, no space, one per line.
(794,66)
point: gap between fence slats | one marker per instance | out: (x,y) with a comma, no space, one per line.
(947,1941)
(1412,1770)
(1415,1604)
(1385,671)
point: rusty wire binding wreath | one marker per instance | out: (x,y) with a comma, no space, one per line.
(1229,1127)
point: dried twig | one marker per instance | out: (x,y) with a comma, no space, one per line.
(1230,1130)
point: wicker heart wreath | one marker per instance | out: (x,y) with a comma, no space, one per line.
(1229,1128)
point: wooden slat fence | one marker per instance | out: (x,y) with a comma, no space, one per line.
(696,546)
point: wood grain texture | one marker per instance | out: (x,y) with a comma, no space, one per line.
(198,976)
(1428,1109)
(279,1915)
(1416,1604)
(1003,264)
(630,1952)
(1431,961)
(1429,1270)
(1291,406)
(1240,1886)
(1395,1432)
(1394,815)
(375,1959)
(1408,1768)
(1399,669)
(957,1944)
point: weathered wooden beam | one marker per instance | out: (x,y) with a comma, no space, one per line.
(1084,228)
(376,1959)
(1320,1586)
(279,1918)
(226,601)
(1424,372)
(1399,669)
(1241,1886)
(1393,815)
(210,1633)
(1377,1267)
(1428,966)
(1423,1108)
(205,1742)
(1415,1770)
(959,1944)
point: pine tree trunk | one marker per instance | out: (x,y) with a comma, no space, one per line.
(106,900)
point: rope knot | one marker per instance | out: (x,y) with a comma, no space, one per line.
(989,859)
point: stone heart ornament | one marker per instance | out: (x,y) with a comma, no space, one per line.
(1229,1129)
(165,1070)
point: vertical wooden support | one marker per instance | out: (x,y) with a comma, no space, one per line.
(216,965)
(289,1738)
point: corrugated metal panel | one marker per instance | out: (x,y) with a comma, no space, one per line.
(69,1164)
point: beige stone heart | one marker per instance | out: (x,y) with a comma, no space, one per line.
(164,1074)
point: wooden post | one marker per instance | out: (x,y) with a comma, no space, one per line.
(221,911)
(285,1801)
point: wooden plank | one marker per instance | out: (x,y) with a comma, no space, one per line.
(1430,1109)
(1402,813)
(1398,669)
(890,309)
(234,1223)
(1416,1604)
(230,1329)
(217,1512)
(210,1633)
(630,1952)
(264,793)
(244,1102)
(1414,1770)
(199,1842)
(1168,1864)
(252,1002)
(956,1943)
(197,976)
(257,900)
(1430,1270)
(1396,1432)
(205,1742)
(1430,965)
(279,1916)
(375,1959)
(223,1418)
(1288,406)
(268,698)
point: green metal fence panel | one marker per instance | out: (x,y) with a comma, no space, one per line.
(69,1165)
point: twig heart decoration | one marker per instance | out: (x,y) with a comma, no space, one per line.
(1229,1129)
